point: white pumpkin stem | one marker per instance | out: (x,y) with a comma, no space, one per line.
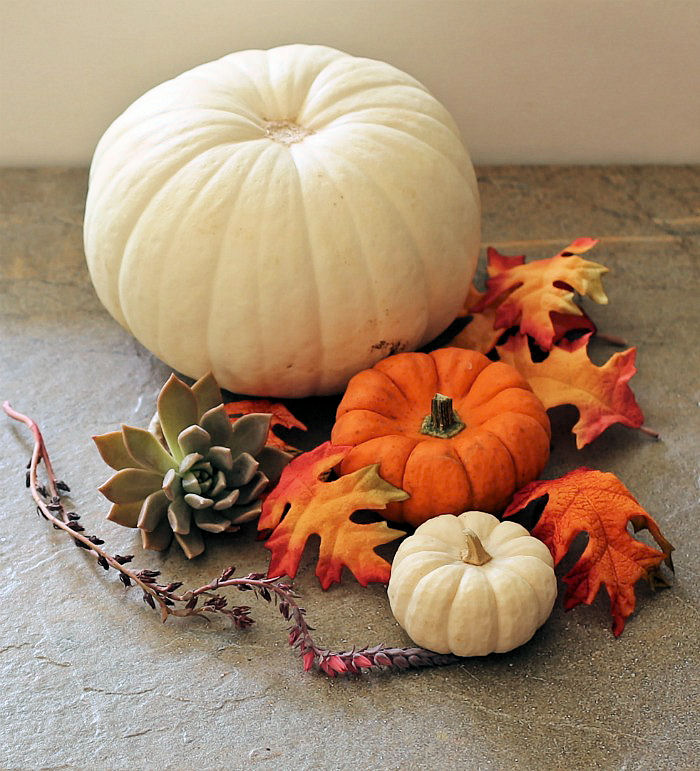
(286,132)
(474,554)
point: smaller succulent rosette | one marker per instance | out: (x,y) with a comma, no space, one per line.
(192,471)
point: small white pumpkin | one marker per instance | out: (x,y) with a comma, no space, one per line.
(471,585)
(283,218)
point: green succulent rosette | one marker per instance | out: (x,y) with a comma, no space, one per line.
(193,471)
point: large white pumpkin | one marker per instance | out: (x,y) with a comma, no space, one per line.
(283,218)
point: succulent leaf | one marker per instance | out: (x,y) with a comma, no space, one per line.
(177,410)
(130,485)
(146,450)
(242,470)
(188,461)
(228,501)
(194,439)
(180,516)
(250,433)
(221,457)
(192,543)
(172,484)
(252,491)
(216,422)
(158,539)
(218,485)
(244,513)
(113,451)
(198,501)
(125,514)
(191,471)
(190,484)
(153,510)
(208,394)
(272,462)
(211,521)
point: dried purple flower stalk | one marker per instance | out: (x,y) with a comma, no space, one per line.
(205,599)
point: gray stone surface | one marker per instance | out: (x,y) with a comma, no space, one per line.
(91,679)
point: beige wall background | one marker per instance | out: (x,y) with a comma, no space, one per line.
(528,81)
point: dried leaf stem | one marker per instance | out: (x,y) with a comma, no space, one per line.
(206,599)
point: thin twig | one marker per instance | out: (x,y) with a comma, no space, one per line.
(524,244)
(171,603)
(648,431)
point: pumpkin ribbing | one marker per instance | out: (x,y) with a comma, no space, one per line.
(242,214)
(490,600)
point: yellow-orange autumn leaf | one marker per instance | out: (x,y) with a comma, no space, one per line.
(567,376)
(600,505)
(480,333)
(303,504)
(526,295)
(473,297)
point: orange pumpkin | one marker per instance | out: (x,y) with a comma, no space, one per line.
(453,429)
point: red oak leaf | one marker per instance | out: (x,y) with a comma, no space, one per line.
(304,504)
(567,376)
(565,323)
(281,416)
(498,263)
(599,504)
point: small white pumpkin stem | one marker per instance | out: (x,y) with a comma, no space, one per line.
(474,554)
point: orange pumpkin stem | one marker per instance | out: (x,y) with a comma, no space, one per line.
(474,554)
(443,422)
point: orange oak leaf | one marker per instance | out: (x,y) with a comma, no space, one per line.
(480,333)
(473,298)
(567,376)
(304,504)
(281,416)
(599,504)
(528,294)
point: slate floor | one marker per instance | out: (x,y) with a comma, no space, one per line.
(91,679)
